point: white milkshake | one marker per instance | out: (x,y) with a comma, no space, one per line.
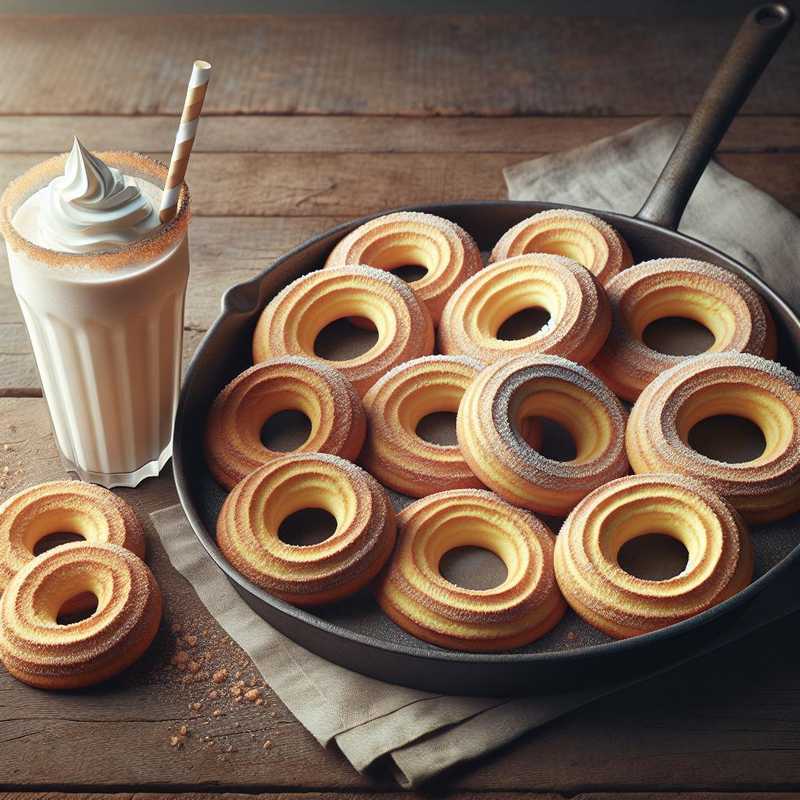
(101,284)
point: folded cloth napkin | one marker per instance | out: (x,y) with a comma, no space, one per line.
(419,733)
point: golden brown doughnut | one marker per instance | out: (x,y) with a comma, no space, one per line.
(582,237)
(393,451)
(444,249)
(580,315)
(292,383)
(738,384)
(620,604)
(413,593)
(248,524)
(678,287)
(39,651)
(494,408)
(290,323)
(63,507)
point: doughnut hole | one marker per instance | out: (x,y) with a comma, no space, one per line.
(569,408)
(429,410)
(327,331)
(751,403)
(683,302)
(678,336)
(438,427)
(77,608)
(59,526)
(727,438)
(74,593)
(471,567)
(549,437)
(51,540)
(285,431)
(409,261)
(653,556)
(524,323)
(307,506)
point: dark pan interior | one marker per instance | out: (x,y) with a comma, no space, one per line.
(355,632)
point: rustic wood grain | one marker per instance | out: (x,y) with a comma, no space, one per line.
(409,65)
(351,184)
(347,134)
(730,721)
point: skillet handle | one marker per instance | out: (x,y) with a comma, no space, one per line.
(761,34)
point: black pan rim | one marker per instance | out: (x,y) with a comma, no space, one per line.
(617,647)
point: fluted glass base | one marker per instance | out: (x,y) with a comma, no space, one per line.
(110,480)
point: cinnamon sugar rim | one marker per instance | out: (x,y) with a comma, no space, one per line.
(143,250)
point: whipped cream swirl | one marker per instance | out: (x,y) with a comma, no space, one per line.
(93,207)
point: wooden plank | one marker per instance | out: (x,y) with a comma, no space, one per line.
(337,134)
(729,722)
(374,64)
(351,184)
(397,796)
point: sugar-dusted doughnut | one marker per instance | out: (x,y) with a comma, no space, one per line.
(248,525)
(492,414)
(290,323)
(737,384)
(90,511)
(413,593)
(580,314)
(582,237)
(446,251)
(586,559)
(291,383)
(393,452)
(678,287)
(38,650)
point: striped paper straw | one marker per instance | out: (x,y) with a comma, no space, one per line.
(184,139)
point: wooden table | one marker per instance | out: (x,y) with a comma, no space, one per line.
(310,120)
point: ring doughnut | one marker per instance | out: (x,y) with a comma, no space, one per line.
(39,651)
(63,507)
(580,315)
(720,553)
(444,249)
(393,452)
(504,395)
(678,287)
(739,384)
(248,524)
(414,594)
(290,323)
(292,383)
(582,237)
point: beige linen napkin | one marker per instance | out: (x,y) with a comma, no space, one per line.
(420,734)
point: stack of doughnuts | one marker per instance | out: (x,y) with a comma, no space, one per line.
(107,568)
(441,349)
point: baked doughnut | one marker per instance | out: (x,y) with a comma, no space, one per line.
(738,384)
(393,452)
(413,593)
(582,237)
(63,507)
(248,524)
(445,250)
(580,315)
(717,540)
(290,323)
(39,651)
(292,383)
(494,408)
(678,287)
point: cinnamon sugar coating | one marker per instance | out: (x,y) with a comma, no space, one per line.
(291,383)
(39,651)
(413,593)
(582,237)
(248,524)
(446,251)
(719,300)
(490,422)
(716,538)
(290,323)
(580,315)
(66,506)
(738,384)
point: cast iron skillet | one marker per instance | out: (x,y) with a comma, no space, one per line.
(354,633)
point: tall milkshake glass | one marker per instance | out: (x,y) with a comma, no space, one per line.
(106,324)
